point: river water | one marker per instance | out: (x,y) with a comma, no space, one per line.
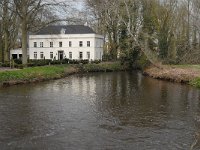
(99,111)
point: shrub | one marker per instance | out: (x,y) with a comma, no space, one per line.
(55,62)
(95,61)
(107,57)
(195,82)
(6,64)
(85,61)
(142,62)
(65,61)
(123,58)
(73,61)
(19,66)
(42,62)
(17,61)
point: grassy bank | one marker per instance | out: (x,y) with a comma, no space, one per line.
(189,74)
(103,67)
(37,74)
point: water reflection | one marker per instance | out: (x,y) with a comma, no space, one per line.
(99,111)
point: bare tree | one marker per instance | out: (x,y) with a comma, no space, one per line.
(35,14)
(9,28)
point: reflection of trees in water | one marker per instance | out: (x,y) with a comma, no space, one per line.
(116,99)
(193,102)
(139,101)
(16,112)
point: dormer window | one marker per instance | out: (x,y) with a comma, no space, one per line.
(62,31)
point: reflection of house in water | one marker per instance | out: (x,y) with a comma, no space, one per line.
(84,85)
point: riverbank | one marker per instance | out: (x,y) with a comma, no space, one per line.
(38,74)
(189,74)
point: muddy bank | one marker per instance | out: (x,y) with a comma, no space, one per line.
(176,73)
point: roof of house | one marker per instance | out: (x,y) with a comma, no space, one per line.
(69,29)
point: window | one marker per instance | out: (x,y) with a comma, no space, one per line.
(70,43)
(35,44)
(70,55)
(41,55)
(35,55)
(88,55)
(80,55)
(41,44)
(60,44)
(51,55)
(88,43)
(14,56)
(80,43)
(51,44)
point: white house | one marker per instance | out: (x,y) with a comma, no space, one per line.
(71,41)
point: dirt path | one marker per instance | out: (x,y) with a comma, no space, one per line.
(6,69)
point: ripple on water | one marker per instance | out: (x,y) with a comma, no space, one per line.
(99,111)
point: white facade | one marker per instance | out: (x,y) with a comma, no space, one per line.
(61,46)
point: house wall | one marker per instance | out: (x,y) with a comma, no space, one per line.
(95,49)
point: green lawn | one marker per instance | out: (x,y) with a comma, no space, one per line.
(45,72)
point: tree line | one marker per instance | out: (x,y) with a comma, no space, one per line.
(163,30)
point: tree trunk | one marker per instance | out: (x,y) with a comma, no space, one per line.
(172,48)
(199,40)
(5,30)
(188,26)
(6,46)
(1,44)
(24,42)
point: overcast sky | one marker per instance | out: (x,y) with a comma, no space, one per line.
(78,3)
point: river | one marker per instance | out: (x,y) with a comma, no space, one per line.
(99,111)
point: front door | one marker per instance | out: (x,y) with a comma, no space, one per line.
(60,55)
